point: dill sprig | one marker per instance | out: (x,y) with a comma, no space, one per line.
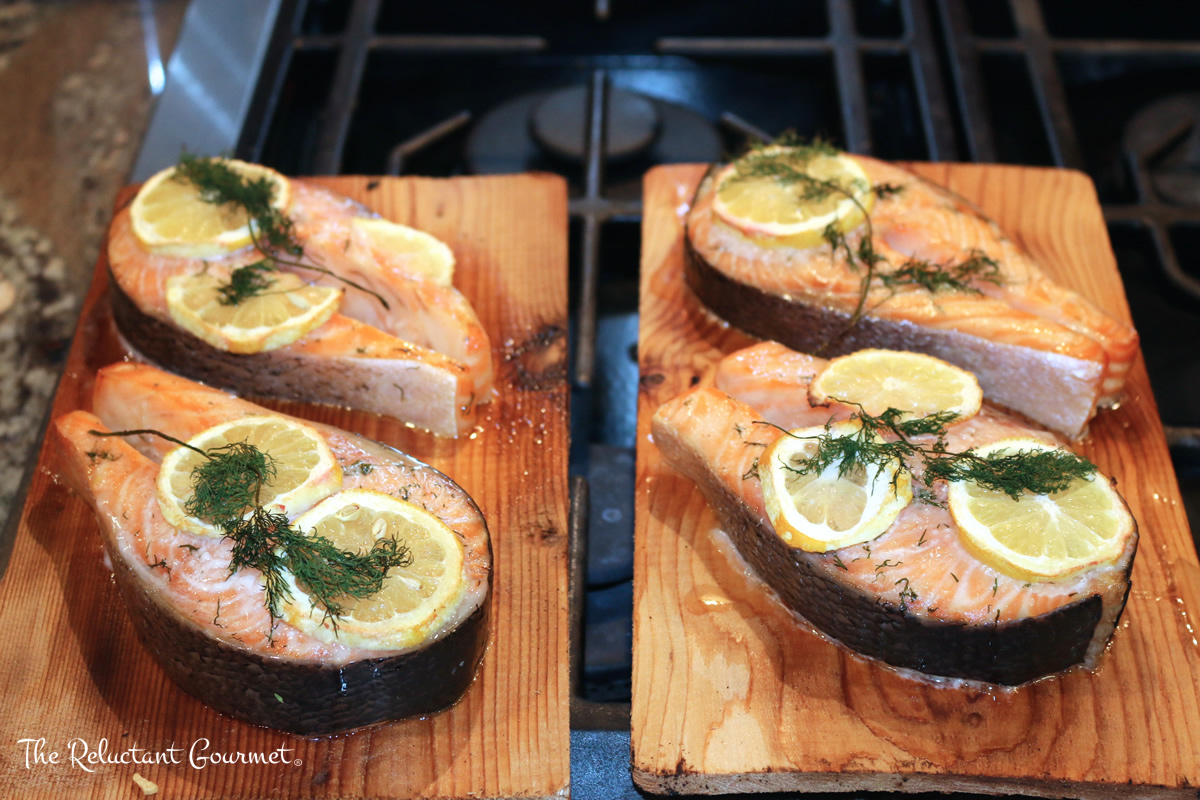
(271,231)
(267,542)
(221,185)
(246,282)
(889,438)
(934,278)
(229,483)
(1033,471)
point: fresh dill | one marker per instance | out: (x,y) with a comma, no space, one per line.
(267,542)
(883,190)
(952,575)
(1039,472)
(934,278)
(995,586)
(840,564)
(226,490)
(887,562)
(191,548)
(272,231)
(246,282)
(1034,471)
(907,594)
(221,185)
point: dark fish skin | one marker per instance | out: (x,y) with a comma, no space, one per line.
(1006,654)
(304,698)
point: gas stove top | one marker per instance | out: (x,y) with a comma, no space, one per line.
(600,93)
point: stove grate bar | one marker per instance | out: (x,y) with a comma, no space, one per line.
(851,84)
(1047,85)
(409,147)
(343,94)
(594,147)
(936,118)
(967,75)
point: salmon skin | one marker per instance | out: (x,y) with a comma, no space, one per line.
(210,630)
(1071,357)
(425,359)
(914,598)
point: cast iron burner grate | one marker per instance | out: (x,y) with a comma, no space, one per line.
(367,87)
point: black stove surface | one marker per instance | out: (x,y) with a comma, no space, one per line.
(445,89)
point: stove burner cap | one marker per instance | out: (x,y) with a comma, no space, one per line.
(1165,138)
(559,123)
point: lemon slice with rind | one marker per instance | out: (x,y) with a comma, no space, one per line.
(788,197)
(826,510)
(306,470)
(287,310)
(1041,537)
(415,601)
(170,217)
(418,253)
(916,384)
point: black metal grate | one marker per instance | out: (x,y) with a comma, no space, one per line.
(369,87)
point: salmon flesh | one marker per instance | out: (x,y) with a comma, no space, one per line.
(424,359)
(1037,348)
(210,629)
(915,597)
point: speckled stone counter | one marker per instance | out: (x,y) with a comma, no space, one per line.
(74,102)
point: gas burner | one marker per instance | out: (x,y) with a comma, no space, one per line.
(559,124)
(545,131)
(1164,137)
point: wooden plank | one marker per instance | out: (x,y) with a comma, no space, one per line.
(730,694)
(74,671)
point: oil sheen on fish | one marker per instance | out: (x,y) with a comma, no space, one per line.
(209,629)
(915,597)
(1037,348)
(425,359)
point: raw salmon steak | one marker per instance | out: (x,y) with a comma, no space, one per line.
(424,359)
(1037,348)
(209,628)
(914,597)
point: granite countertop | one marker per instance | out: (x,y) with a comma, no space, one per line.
(75,98)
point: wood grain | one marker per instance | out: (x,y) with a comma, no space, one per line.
(74,671)
(730,694)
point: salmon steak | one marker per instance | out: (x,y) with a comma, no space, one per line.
(916,597)
(917,268)
(207,624)
(399,344)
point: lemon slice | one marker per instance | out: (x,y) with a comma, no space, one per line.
(778,211)
(415,600)
(283,313)
(422,255)
(822,511)
(306,471)
(917,384)
(1041,537)
(169,216)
